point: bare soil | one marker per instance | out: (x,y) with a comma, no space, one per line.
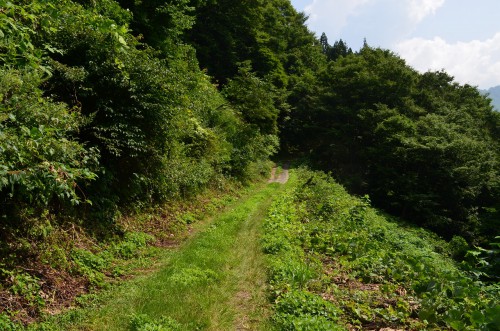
(281,177)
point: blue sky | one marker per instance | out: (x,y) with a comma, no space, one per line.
(459,36)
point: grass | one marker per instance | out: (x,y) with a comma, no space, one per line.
(335,263)
(53,260)
(214,281)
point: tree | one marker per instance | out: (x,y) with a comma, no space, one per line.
(338,49)
(253,98)
(325,46)
(421,145)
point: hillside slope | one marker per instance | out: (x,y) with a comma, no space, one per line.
(338,264)
(119,117)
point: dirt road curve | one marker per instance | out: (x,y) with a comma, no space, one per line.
(282,177)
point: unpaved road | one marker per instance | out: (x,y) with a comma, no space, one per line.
(282,177)
(215,281)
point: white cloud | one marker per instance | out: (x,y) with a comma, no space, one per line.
(382,20)
(476,62)
(395,24)
(337,12)
(420,9)
(332,13)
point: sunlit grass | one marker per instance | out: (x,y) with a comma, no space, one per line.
(215,281)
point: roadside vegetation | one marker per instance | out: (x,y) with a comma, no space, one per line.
(336,263)
(215,280)
(123,123)
(78,271)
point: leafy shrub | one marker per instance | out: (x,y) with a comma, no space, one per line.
(301,310)
(7,324)
(131,244)
(55,256)
(145,323)
(484,263)
(187,218)
(458,247)
(28,287)
(40,160)
(291,271)
(91,265)
(358,244)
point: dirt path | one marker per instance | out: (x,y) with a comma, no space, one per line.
(250,301)
(280,176)
(215,281)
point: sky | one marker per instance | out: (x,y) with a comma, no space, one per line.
(460,36)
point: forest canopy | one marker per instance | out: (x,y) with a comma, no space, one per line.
(111,104)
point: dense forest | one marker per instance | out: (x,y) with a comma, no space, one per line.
(113,106)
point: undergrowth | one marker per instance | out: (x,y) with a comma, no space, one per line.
(192,287)
(338,264)
(66,263)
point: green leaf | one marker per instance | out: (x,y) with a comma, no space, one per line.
(457,325)
(477,317)
(35,132)
(122,41)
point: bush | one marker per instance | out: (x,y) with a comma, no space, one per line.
(40,161)
(300,310)
(362,252)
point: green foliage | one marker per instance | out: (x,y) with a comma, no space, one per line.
(131,245)
(91,265)
(373,269)
(422,146)
(40,159)
(161,23)
(224,35)
(26,286)
(7,324)
(458,247)
(16,35)
(104,102)
(55,256)
(484,263)
(95,265)
(145,323)
(162,128)
(100,101)
(290,273)
(193,276)
(271,38)
(300,310)
(338,49)
(253,99)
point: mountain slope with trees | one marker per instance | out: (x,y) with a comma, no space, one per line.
(116,107)
(423,146)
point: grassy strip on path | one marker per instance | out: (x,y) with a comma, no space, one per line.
(215,281)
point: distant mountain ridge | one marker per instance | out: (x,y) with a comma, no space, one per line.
(494,94)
